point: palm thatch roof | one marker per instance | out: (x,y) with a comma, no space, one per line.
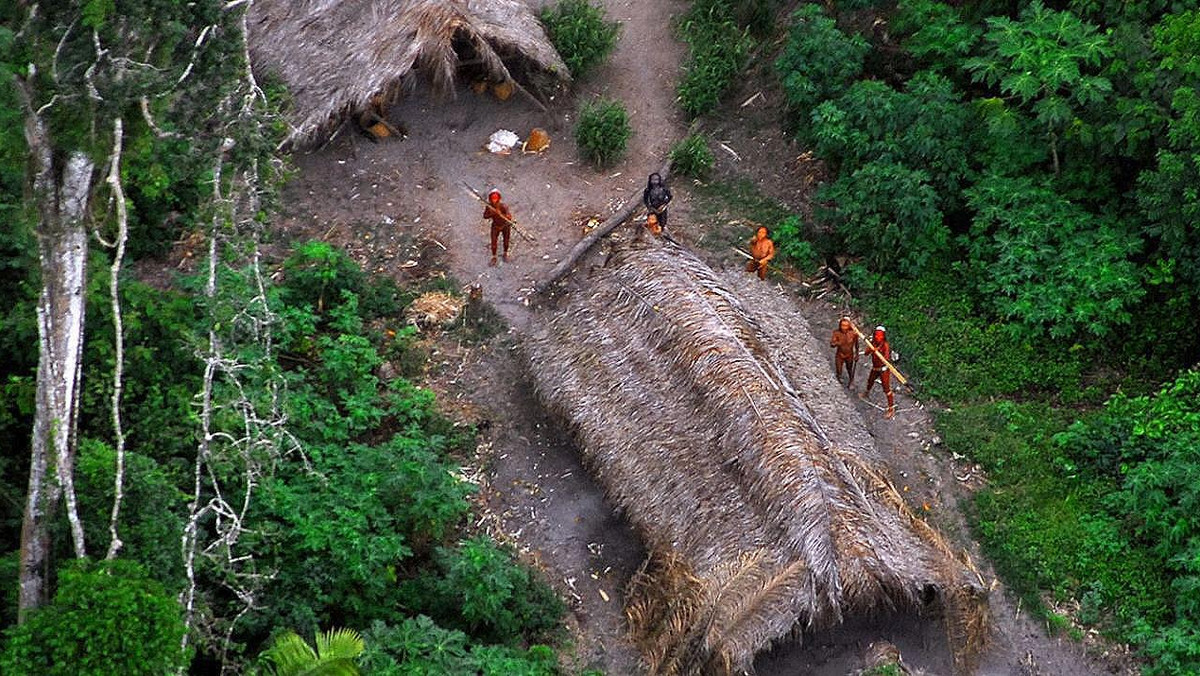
(334,55)
(698,402)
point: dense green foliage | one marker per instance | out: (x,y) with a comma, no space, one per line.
(358,521)
(1048,265)
(718,46)
(419,646)
(818,60)
(359,527)
(901,229)
(1148,448)
(1102,510)
(792,246)
(691,157)
(107,618)
(956,356)
(1054,173)
(581,32)
(602,131)
(474,588)
(341,490)
(1018,186)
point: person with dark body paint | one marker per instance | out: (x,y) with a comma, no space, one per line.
(656,197)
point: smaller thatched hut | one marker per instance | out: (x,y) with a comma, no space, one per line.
(694,402)
(334,55)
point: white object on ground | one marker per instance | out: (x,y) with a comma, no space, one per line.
(502,141)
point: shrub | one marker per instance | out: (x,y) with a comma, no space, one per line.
(926,127)
(888,214)
(792,246)
(718,48)
(1047,264)
(106,618)
(377,492)
(317,274)
(603,131)
(581,33)
(818,60)
(483,591)
(419,646)
(691,157)
(1149,444)
(936,32)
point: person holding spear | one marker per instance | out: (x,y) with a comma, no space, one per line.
(881,368)
(501,217)
(762,250)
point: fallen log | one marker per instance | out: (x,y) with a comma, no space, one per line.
(582,246)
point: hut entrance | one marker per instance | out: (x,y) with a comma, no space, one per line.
(472,68)
(485,70)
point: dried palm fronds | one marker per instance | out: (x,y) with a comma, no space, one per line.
(755,492)
(334,55)
(435,308)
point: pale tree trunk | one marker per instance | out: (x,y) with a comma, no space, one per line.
(114,182)
(62,187)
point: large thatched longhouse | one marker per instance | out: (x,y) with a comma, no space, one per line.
(699,403)
(334,55)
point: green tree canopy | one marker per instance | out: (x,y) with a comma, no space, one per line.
(1049,265)
(107,618)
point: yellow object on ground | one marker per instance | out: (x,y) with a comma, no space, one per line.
(503,90)
(538,140)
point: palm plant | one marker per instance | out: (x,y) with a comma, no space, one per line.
(335,654)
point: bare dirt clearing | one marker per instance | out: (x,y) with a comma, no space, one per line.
(401,211)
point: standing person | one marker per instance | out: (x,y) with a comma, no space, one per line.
(497,212)
(762,250)
(846,341)
(878,346)
(656,197)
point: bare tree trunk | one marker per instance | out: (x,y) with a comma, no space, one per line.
(114,180)
(61,189)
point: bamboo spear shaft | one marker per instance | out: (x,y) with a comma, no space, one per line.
(519,229)
(882,357)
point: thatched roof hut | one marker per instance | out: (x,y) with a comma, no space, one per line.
(334,55)
(699,404)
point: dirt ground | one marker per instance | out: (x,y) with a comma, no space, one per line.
(400,208)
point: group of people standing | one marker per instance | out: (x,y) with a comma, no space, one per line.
(846,353)
(845,339)
(657,196)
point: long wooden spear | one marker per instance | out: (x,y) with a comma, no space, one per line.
(882,357)
(519,229)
